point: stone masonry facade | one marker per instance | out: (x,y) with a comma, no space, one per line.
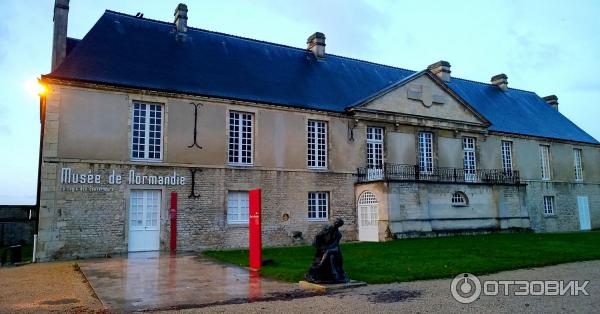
(412,209)
(566,215)
(83,220)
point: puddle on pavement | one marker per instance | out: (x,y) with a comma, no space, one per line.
(392,296)
(276,296)
(59,301)
(153,281)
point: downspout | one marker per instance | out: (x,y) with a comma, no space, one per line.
(39,176)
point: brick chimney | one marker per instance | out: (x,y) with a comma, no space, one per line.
(59,39)
(441,69)
(316,44)
(500,80)
(552,101)
(181,18)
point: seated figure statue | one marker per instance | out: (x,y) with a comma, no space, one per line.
(328,264)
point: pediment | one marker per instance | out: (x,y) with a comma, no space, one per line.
(424,96)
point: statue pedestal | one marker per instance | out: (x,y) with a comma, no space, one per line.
(322,287)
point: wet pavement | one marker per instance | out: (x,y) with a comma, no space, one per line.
(152,281)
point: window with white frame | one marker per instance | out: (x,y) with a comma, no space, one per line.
(507,164)
(237,207)
(144,209)
(375,147)
(548,205)
(317,144)
(426,152)
(240,138)
(318,205)
(146,136)
(459,199)
(578,164)
(545,161)
(469,161)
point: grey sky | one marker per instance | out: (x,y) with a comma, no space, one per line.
(549,47)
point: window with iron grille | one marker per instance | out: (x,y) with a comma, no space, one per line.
(240,138)
(507,165)
(317,144)
(318,205)
(146,137)
(549,205)
(545,161)
(578,164)
(469,161)
(375,147)
(459,199)
(426,152)
(237,207)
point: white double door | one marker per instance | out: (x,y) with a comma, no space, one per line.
(584,213)
(144,220)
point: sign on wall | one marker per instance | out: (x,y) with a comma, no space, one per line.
(69,176)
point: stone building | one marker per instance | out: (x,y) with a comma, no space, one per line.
(138,109)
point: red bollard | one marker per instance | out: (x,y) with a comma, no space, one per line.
(173,214)
(255,229)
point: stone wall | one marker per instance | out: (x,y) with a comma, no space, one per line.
(417,209)
(81,220)
(426,207)
(566,212)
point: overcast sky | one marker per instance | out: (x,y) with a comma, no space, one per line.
(550,47)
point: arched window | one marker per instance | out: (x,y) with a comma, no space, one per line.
(459,199)
(367,198)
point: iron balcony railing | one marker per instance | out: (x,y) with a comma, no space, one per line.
(396,172)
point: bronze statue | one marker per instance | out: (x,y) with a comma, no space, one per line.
(328,264)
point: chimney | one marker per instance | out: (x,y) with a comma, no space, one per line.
(552,100)
(59,39)
(181,18)
(316,44)
(500,80)
(441,69)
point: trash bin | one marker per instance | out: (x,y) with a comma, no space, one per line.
(15,253)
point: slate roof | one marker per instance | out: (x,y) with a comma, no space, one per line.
(518,112)
(129,51)
(71,43)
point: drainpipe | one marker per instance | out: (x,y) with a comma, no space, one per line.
(33,258)
(39,178)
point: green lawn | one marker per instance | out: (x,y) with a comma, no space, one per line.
(414,259)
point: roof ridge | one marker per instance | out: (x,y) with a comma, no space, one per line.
(295,48)
(258,40)
(490,84)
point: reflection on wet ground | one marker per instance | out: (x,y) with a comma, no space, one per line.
(149,280)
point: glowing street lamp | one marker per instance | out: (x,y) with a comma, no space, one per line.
(42,89)
(35,88)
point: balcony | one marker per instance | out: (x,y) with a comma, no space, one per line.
(396,172)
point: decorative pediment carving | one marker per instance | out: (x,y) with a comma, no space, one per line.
(425,95)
